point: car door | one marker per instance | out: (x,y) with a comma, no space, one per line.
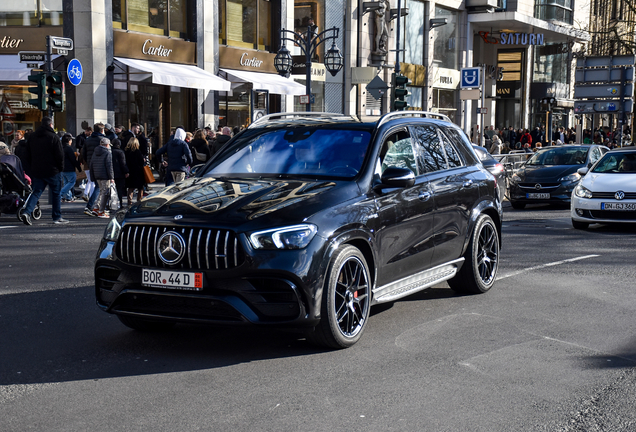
(454,189)
(404,226)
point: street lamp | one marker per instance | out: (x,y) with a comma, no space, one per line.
(308,44)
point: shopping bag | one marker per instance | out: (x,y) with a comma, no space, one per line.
(114,198)
(148,176)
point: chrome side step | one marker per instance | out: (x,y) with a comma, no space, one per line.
(417,282)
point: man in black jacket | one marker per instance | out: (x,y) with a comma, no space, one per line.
(46,159)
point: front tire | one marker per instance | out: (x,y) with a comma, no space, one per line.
(479,271)
(346,300)
(145,325)
(580,225)
(37,212)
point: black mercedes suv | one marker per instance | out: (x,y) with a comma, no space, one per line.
(306,220)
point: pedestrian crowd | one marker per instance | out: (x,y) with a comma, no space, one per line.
(505,140)
(114,160)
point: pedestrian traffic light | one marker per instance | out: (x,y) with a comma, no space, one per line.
(55,91)
(400,92)
(39,101)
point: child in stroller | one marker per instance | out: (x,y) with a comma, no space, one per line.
(14,187)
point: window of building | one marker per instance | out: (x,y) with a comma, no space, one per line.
(445,48)
(245,24)
(548,64)
(414,34)
(554,10)
(31,12)
(310,14)
(160,17)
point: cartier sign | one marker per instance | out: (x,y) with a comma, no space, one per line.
(13,40)
(153,47)
(248,60)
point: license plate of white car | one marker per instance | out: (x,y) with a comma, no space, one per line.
(170,279)
(535,195)
(618,206)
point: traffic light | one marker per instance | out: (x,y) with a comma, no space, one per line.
(55,91)
(400,92)
(39,101)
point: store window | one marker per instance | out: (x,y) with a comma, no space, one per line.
(445,48)
(23,115)
(160,17)
(245,24)
(31,12)
(445,102)
(548,61)
(554,10)
(310,14)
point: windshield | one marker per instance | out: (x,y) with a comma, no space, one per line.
(298,151)
(560,156)
(616,163)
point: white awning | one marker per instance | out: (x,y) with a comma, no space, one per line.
(12,70)
(265,81)
(178,75)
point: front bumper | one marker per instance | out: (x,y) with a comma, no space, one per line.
(559,193)
(269,288)
(589,210)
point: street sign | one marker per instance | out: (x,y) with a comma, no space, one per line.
(603,91)
(32,65)
(61,43)
(470,77)
(603,75)
(472,94)
(74,72)
(482,110)
(61,51)
(621,60)
(600,106)
(304,99)
(31,56)
(377,87)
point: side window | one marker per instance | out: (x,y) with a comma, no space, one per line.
(398,152)
(458,139)
(430,153)
(454,160)
(596,155)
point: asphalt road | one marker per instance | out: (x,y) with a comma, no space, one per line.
(550,348)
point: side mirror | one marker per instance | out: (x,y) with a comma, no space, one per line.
(582,171)
(397,177)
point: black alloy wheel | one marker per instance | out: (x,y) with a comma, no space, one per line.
(346,300)
(479,271)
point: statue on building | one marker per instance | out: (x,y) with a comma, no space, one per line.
(382,25)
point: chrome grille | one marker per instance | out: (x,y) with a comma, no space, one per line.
(610,195)
(544,186)
(206,248)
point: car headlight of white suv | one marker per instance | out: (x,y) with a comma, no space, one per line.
(582,192)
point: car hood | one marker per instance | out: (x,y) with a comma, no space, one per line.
(545,173)
(611,182)
(233,202)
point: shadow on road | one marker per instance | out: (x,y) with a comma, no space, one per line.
(61,335)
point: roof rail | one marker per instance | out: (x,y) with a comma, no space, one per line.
(299,114)
(425,114)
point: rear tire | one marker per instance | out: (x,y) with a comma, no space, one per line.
(580,225)
(144,324)
(479,271)
(517,205)
(346,300)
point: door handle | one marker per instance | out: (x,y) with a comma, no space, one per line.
(467,183)
(424,196)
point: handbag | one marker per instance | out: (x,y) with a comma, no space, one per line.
(148,176)
(199,156)
(114,203)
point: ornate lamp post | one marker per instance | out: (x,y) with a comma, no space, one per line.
(308,43)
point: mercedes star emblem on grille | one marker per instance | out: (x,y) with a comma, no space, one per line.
(619,195)
(537,186)
(171,247)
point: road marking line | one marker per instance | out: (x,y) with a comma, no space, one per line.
(546,265)
(9,226)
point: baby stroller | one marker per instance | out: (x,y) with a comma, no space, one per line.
(14,191)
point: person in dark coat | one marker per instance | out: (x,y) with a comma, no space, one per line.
(92,188)
(45,156)
(179,155)
(135,162)
(101,167)
(108,132)
(119,168)
(225,136)
(70,165)
(200,144)
(21,152)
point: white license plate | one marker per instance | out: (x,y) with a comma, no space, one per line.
(618,206)
(538,195)
(172,279)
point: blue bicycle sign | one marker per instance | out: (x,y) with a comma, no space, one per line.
(74,71)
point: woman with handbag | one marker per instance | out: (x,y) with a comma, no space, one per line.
(135,163)
(199,147)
